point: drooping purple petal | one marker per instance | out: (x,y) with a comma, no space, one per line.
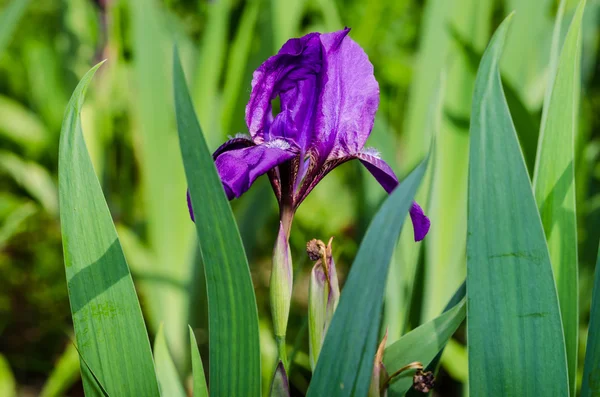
(291,74)
(348,100)
(239,168)
(420,221)
(386,177)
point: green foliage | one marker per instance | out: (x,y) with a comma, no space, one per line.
(425,55)
(199,381)
(513,318)
(109,327)
(591,370)
(346,358)
(554,184)
(233,317)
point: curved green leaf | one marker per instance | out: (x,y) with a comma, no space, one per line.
(590,385)
(200,388)
(554,184)
(110,330)
(516,344)
(168,379)
(346,358)
(233,319)
(421,344)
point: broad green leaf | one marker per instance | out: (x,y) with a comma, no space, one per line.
(199,380)
(169,231)
(554,184)
(421,344)
(590,386)
(513,319)
(64,374)
(445,245)
(346,358)
(168,379)
(108,322)
(9,18)
(233,317)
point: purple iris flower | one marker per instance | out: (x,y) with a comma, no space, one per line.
(328,98)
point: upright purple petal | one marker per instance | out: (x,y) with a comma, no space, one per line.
(348,100)
(239,168)
(386,177)
(291,74)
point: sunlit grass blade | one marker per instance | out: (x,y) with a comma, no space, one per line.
(444,246)
(513,319)
(210,67)
(286,16)
(346,358)
(169,231)
(8,384)
(64,374)
(9,18)
(15,221)
(590,386)
(421,344)
(233,319)
(404,266)
(238,61)
(198,377)
(528,46)
(554,184)
(33,178)
(449,345)
(168,379)
(22,126)
(110,331)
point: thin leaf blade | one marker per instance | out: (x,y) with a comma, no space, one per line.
(554,184)
(233,317)
(346,359)
(199,380)
(421,344)
(168,379)
(590,385)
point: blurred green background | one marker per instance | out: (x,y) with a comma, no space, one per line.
(425,54)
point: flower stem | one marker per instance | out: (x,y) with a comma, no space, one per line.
(281,349)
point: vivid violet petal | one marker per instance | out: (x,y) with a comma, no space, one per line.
(348,100)
(421,223)
(386,177)
(239,168)
(290,73)
(238,142)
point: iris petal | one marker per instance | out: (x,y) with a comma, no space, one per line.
(386,177)
(239,168)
